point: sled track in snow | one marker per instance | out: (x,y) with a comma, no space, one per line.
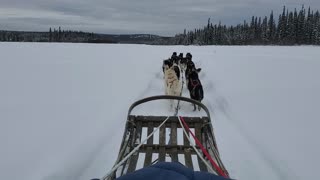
(260,150)
(218,103)
(221,104)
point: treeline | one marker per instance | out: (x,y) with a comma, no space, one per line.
(54,35)
(59,35)
(291,28)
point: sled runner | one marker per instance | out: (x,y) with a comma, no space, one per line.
(167,147)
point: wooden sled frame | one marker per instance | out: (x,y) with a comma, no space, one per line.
(202,127)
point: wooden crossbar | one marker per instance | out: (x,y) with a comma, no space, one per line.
(165,149)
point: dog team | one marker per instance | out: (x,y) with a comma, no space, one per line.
(173,69)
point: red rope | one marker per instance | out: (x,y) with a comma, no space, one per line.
(195,84)
(205,152)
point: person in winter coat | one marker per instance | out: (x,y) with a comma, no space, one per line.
(168,171)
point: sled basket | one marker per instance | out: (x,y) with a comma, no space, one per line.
(164,146)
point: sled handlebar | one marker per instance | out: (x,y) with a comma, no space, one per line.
(159,97)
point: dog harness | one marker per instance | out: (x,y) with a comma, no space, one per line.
(194,84)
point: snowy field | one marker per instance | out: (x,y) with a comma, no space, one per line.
(63,106)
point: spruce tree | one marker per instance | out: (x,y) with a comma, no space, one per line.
(278,37)
(316,28)
(283,26)
(50,35)
(296,26)
(301,26)
(271,28)
(290,39)
(264,29)
(252,30)
(59,34)
(259,30)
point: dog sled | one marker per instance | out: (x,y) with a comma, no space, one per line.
(164,144)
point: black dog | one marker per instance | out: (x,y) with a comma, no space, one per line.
(195,87)
(175,58)
(190,67)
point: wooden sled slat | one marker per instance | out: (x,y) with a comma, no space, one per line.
(187,152)
(173,141)
(162,142)
(202,166)
(188,159)
(157,120)
(148,158)
(156,148)
(134,159)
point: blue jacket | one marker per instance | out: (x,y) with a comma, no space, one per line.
(168,171)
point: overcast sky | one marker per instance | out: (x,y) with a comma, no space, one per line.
(162,17)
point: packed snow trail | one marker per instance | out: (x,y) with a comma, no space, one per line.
(63,107)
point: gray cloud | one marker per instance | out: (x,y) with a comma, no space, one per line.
(165,17)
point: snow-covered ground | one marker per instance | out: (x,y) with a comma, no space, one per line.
(63,106)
